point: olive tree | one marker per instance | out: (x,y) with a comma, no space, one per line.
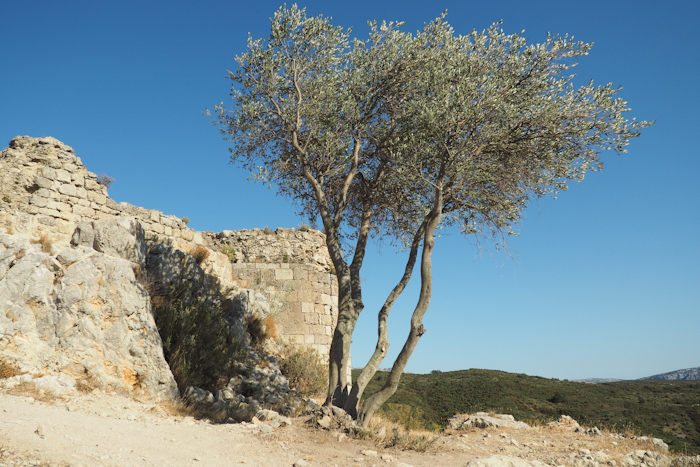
(401,134)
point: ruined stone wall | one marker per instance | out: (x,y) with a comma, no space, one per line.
(43,178)
(45,189)
(303,300)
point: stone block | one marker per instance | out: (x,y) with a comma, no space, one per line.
(301,274)
(326,299)
(157,228)
(62,176)
(81,192)
(311,318)
(38,201)
(322,339)
(67,189)
(78,179)
(309,339)
(63,207)
(43,182)
(154,217)
(48,172)
(44,193)
(167,230)
(83,202)
(284,274)
(92,185)
(296,339)
(326,319)
(307,307)
(98,198)
(48,221)
(83,211)
(48,212)
(67,216)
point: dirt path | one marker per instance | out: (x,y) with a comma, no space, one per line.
(107,430)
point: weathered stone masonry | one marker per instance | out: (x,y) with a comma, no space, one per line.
(45,189)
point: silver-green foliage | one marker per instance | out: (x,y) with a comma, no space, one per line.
(400,134)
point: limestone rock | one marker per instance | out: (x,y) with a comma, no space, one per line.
(484,420)
(641,458)
(81,313)
(687,461)
(504,461)
(121,237)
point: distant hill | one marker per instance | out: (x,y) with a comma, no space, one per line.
(687,374)
(665,409)
(597,380)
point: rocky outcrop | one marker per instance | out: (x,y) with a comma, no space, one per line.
(46,190)
(641,458)
(687,374)
(81,314)
(484,420)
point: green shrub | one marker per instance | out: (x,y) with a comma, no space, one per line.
(185,220)
(304,227)
(197,344)
(303,368)
(229,251)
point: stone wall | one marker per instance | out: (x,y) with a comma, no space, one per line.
(43,178)
(46,190)
(302,300)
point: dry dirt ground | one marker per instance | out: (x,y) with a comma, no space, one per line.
(111,430)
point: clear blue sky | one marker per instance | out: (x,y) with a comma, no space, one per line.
(605,280)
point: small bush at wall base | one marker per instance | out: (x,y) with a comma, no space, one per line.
(256,329)
(303,368)
(197,344)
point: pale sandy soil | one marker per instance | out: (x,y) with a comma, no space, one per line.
(111,430)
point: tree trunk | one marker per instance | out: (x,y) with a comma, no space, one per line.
(376,400)
(339,357)
(352,404)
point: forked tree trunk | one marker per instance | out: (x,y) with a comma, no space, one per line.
(376,400)
(352,404)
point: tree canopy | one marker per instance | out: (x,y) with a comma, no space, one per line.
(400,134)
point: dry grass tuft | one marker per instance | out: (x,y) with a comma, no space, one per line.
(271,328)
(200,254)
(46,242)
(389,435)
(9,369)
